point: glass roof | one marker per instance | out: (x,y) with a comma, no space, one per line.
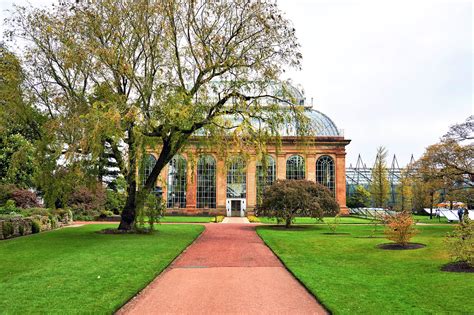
(321,124)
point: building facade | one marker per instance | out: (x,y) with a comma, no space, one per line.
(206,184)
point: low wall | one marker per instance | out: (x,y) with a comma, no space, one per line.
(19,226)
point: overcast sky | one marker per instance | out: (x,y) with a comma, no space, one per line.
(391,73)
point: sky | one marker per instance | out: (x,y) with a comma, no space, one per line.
(388,73)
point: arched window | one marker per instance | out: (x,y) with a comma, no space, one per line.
(265,173)
(176,182)
(148,164)
(295,168)
(236,179)
(206,182)
(325,172)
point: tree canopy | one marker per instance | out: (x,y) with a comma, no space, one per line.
(121,76)
(286,199)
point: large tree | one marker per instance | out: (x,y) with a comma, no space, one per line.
(20,124)
(127,75)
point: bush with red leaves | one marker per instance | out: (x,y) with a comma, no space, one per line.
(87,203)
(25,199)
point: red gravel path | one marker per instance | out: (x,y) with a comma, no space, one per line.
(228,270)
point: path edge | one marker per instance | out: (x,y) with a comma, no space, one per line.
(123,307)
(291,272)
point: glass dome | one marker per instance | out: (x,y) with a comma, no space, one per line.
(320,124)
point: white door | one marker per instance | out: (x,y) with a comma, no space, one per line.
(228,208)
(243,205)
(235,207)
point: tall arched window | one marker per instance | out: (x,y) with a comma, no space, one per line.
(236,179)
(206,182)
(265,173)
(325,172)
(176,182)
(148,164)
(295,167)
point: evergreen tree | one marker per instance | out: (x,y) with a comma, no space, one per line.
(360,198)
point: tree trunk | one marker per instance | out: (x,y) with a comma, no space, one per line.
(431,205)
(129,213)
(135,197)
(287,222)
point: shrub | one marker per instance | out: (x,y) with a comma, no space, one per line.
(7,229)
(24,198)
(400,228)
(105,214)
(115,201)
(53,221)
(286,199)
(154,209)
(334,224)
(88,199)
(6,192)
(218,219)
(461,242)
(35,226)
(87,203)
(9,207)
(253,219)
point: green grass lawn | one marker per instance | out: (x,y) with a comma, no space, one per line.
(308,220)
(185,219)
(426,219)
(74,270)
(349,275)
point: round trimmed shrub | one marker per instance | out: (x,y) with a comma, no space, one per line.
(287,199)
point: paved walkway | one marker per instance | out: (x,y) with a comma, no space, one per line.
(235,220)
(227,270)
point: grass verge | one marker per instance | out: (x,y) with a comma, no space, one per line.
(349,275)
(308,220)
(75,270)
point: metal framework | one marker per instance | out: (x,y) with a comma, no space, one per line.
(148,164)
(206,182)
(361,175)
(325,173)
(237,179)
(265,177)
(295,167)
(177,182)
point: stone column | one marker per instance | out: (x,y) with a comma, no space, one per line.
(251,185)
(221,186)
(341,183)
(311,168)
(281,166)
(163,181)
(191,187)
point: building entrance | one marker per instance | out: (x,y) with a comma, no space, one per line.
(235,207)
